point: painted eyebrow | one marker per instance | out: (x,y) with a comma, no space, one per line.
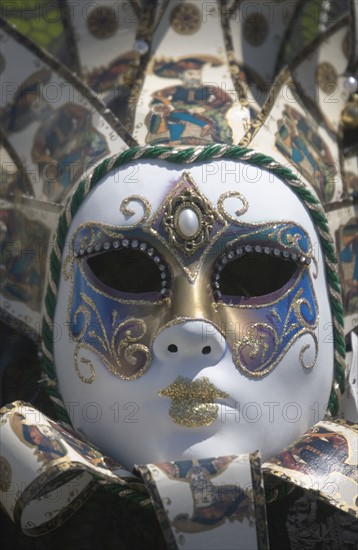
(272,232)
(91,234)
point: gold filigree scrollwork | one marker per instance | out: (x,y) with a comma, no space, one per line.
(130,346)
(86,362)
(88,235)
(90,238)
(67,267)
(297,305)
(87,318)
(294,240)
(276,314)
(254,351)
(315,263)
(239,212)
(121,351)
(128,212)
(303,350)
(262,348)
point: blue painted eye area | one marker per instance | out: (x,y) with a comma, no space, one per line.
(129,266)
(262,261)
(253,270)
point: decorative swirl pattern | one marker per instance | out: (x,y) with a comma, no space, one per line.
(292,235)
(79,333)
(86,362)
(128,212)
(253,353)
(225,213)
(296,237)
(258,353)
(304,348)
(90,237)
(308,321)
(120,348)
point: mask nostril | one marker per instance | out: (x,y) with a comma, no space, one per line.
(172,348)
(206,350)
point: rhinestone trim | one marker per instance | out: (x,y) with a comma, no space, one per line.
(238,251)
(135,244)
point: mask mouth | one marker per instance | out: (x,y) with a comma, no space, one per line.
(193,401)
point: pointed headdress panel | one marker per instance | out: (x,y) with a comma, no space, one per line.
(171,85)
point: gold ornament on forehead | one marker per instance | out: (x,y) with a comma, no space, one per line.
(188,219)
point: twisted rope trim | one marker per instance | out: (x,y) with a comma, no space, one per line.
(185,156)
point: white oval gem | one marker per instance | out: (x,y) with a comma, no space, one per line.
(351,84)
(188,222)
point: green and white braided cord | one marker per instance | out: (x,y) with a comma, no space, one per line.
(186,156)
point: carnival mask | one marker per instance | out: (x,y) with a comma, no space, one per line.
(192,313)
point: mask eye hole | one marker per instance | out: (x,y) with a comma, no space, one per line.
(130,267)
(252,271)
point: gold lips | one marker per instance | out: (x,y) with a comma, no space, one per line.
(193,401)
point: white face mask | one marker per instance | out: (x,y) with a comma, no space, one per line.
(193,314)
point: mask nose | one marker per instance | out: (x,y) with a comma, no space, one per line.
(191,343)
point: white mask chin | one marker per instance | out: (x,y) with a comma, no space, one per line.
(184,352)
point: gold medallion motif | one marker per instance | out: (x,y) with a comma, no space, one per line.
(5,475)
(326,77)
(102,22)
(255,29)
(185,19)
(188,219)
